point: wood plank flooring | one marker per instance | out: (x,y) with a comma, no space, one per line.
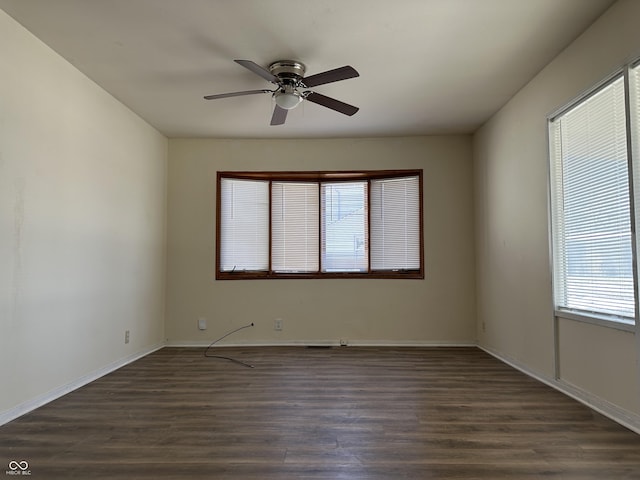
(307,413)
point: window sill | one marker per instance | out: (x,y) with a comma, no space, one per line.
(600,320)
(415,275)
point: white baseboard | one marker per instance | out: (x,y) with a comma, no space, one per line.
(321,343)
(39,401)
(619,415)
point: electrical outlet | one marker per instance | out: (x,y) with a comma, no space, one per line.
(202,323)
(277,324)
(126,336)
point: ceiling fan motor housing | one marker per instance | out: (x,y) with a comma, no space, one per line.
(288,71)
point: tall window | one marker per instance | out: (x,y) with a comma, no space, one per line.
(395,224)
(294,227)
(319,224)
(344,227)
(244,225)
(592,207)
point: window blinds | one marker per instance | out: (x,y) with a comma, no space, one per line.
(395,224)
(244,225)
(591,216)
(295,227)
(634,101)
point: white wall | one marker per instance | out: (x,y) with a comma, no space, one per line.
(515,308)
(438,309)
(82,226)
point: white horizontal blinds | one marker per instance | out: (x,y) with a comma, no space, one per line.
(395,223)
(244,225)
(557,220)
(592,228)
(295,227)
(634,110)
(634,80)
(344,227)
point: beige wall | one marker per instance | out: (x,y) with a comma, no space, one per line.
(439,309)
(82,219)
(515,309)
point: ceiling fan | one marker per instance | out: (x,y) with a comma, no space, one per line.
(288,77)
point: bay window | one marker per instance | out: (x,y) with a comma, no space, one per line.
(319,224)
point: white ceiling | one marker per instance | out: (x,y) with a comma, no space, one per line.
(426,66)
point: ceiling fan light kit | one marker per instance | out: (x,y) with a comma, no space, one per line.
(287,99)
(288,77)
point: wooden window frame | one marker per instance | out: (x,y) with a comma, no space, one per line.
(318,177)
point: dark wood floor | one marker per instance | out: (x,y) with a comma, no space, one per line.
(304,413)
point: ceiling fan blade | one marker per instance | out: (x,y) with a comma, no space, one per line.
(235,94)
(329,76)
(257,69)
(332,103)
(279,116)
